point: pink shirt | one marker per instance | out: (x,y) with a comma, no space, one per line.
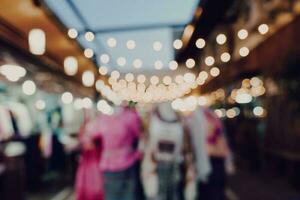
(118,133)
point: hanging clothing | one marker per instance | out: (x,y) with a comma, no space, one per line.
(119,133)
(166,147)
(6,127)
(21,114)
(197,126)
(120,156)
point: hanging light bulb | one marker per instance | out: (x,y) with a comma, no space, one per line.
(12,72)
(244,51)
(70,65)
(215,72)
(88,78)
(111,42)
(67,98)
(158,65)
(157,46)
(121,61)
(89,36)
(225,57)
(104,58)
(89,53)
(29,87)
(200,43)
(103,70)
(221,39)
(173,65)
(72,33)
(37,41)
(40,104)
(130,44)
(243,34)
(137,63)
(263,29)
(190,63)
(209,61)
(177,44)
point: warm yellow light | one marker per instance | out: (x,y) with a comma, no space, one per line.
(115,74)
(130,44)
(157,46)
(67,98)
(221,39)
(173,65)
(244,51)
(200,43)
(258,111)
(121,61)
(70,65)
(104,58)
(141,78)
(89,36)
(189,77)
(72,33)
(88,78)
(177,44)
(243,34)
(167,80)
(137,63)
(203,75)
(190,63)
(209,61)
(12,72)
(158,65)
(214,71)
(37,41)
(89,53)
(103,70)
(263,29)
(231,113)
(225,57)
(29,87)
(111,42)
(129,77)
(154,80)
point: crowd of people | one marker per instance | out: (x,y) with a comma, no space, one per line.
(163,155)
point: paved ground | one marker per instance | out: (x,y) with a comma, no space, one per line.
(242,186)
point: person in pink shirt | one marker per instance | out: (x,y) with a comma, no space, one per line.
(120,156)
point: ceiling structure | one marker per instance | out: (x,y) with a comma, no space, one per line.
(144,22)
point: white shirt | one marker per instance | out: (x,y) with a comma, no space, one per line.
(166,139)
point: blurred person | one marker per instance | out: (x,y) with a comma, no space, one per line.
(164,152)
(211,152)
(89,181)
(119,133)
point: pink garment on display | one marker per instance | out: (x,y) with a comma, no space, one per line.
(89,181)
(118,132)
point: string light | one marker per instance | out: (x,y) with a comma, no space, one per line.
(189,77)
(137,63)
(103,70)
(263,29)
(203,75)
(130,44)
(214,71)
(70,65)
(167,80)
(72,33)
(158,65)
(225,57)
(29,87)
(209,61)
(157,46)
(154,80)
(12,72)
(104,58)
(67,98)
(89,53)
(121,61)
(37,41)
(89,36)
(177,44)
(111,42)
(221,39)
(173,65)
(244,51)
(200,43)
(115,74)
(141,78)
(258,111)
(190,63)
(129,77)
(88,78)
(243,34)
